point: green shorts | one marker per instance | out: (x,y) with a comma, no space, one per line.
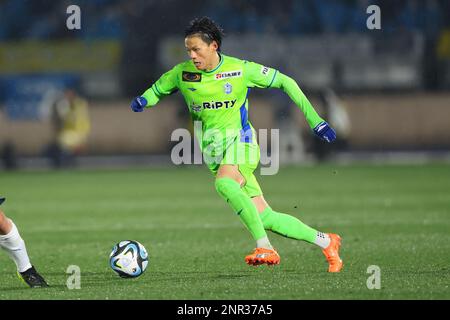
(246,156)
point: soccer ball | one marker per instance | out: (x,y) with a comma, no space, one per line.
(129,259)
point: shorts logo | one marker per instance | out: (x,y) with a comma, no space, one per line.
(191,76)
(228,88)
(265,70)
(229,74)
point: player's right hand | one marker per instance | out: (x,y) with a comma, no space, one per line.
(138,104)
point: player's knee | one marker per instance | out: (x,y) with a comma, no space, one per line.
(260,203)
(232,172)
(4,223)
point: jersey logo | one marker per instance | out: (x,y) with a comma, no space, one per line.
(213,105)
(192,89)
(192,76)
(196,107)
(228,74)
(219,104)
(227,88)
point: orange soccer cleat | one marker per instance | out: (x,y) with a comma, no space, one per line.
(332,253)
(263,256)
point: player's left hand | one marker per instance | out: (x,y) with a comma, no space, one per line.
(138,104)
(325,132)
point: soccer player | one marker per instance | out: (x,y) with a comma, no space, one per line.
(215,88)
(13,244)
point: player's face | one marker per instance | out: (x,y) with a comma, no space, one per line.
(203,55)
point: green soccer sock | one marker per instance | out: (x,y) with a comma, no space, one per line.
(242,205)
(287,226)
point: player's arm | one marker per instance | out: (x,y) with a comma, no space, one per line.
(264,77)
(164,86)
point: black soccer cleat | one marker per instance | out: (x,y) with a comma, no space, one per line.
(32,278)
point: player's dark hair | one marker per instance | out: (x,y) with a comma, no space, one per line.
(207,29)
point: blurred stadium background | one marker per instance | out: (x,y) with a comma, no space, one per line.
(387,92)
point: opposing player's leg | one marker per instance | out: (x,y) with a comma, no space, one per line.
(291,227)
(13,244)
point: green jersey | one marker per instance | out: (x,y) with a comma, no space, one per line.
(219,98)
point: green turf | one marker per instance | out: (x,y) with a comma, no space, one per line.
(395,217)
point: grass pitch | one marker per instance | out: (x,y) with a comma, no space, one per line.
(394,217)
